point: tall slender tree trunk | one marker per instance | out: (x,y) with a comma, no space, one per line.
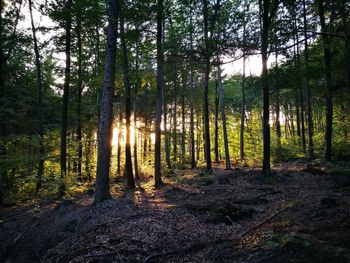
(137,86)
(119,146)
(265,85)
(223,118)
(206,90)
(277,108)
(216,128)
(328,75)
(193,155)
(302,119)
(165,128)
(105,125)
(79,86)
(297,113)
(127,91)
(346,25)
(183,121)
(175,117)
(160,87)
(39,106)
(2,123)
(241,134)
(67,73)
(310,125)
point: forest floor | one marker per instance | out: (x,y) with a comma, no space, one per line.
(300,214)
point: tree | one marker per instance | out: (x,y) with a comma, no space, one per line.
(127,92)
(67,76)
(328,77)
(40,106)
(206,88)
(160,87)
(105,124)
(268,10)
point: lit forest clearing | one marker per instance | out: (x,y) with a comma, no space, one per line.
(174,131)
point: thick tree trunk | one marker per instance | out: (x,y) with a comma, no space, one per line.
(105,125)
(39,106)
(206,91)
(160,87)
(127,92)
(223,118)
(67,76)
(328,75)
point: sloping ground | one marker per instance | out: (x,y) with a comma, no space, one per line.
(301,214)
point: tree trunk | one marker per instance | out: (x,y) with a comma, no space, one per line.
(328,75)
(193,155)
(223,118)
(216,131)
(206,90)
(298,116)
(165,128)
(2,124)
(265,87)
(39,106)
(127,91)
(183,120)
(241,134)
(277,108)
(160,87)
(80,85)
(66,84)
(119,146)
(105,125)
(308,91)
(137,86)
(175,118)
(302,117)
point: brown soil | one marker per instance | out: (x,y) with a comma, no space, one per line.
(300,214)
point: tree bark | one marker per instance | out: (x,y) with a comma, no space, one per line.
(265,86)
(193,155)
(328,75)
(223,118)
(160,87)
(183,121)
(130,182)
(40,127)
(67,76)
(310,125)
(206,90)
(79,93)
(216,128)
(105,125)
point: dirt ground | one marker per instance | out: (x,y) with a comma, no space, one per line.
(300,214)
